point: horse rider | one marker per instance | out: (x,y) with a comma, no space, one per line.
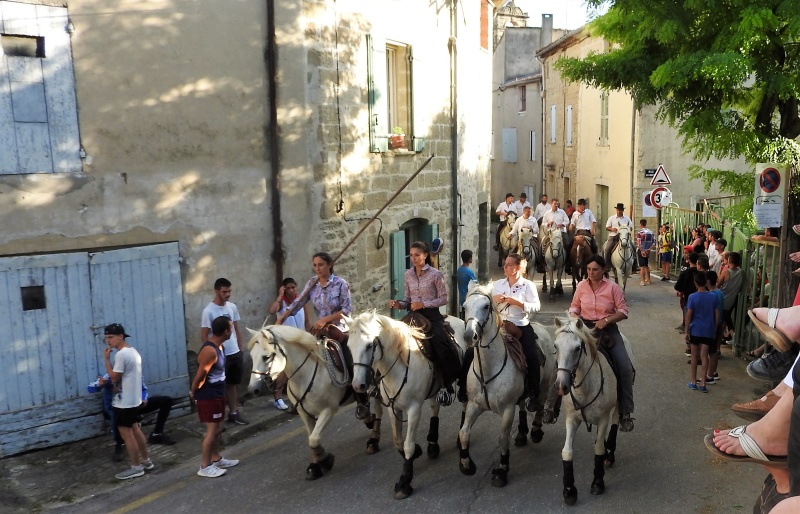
(502,210)
(540,209)
(425,292)
(526,220)
(612,227)
(600,303)
(556,217)
(583,223)
(519,205)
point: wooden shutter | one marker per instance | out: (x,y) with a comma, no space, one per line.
(376,83)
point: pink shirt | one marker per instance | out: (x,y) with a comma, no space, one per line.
(428,288)
(595,305)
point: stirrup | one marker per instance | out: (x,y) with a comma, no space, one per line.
(444,397)
(532,403)
(362,412)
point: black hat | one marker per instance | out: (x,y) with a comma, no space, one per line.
(620,206)
(581,201)
(116,329)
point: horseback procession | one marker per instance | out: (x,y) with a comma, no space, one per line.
(496,358)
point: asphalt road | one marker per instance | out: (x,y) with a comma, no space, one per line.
(662,466)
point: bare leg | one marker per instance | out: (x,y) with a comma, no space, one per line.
(770,432)
(703,363)
(232,399)
(695,349)
(210,445)
(788,322)
(132,445)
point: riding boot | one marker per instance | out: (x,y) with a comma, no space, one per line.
(462,377)
(532,385)
(362,406)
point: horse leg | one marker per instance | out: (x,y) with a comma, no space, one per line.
(433,432)
(373,443)
(598,485)
(463,415)
(500,474)
(522,428)
(570,491)
(537,434)
(611,446)
(465,463)
(411,451)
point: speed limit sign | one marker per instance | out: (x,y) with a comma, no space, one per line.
(660,196)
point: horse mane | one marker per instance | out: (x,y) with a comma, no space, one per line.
(584,333)
(289,335)
(397,330)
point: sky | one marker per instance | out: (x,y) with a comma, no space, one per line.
(567,14)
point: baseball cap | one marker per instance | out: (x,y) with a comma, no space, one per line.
(688,248)
(116,329)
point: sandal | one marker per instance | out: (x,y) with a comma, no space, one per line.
(750,447)
(768,330)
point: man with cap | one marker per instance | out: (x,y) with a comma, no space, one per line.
(502,210)
(612,227)
(520,204)
(583,223)
(719,246)
(541,208)
(126,375)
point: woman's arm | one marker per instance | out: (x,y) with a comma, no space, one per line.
(298,302)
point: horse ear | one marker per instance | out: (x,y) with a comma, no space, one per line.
(347,320)
(472,286)
(579,323)
(557,321)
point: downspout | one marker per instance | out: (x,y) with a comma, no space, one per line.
(273,141)
(454,225)
(633,163)
(543,100)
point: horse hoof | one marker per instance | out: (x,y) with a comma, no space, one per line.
(499,477)
(609,461)
(537,435)
(548,417)
(520,440)
(598,486)
(313,471)
(401,492)
(417,452)
(467,470)
(372,446)
(433,450)
(570,495)
(327,462)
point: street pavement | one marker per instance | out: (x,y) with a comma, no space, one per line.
(662,466)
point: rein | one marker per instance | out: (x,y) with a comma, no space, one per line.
(573,373)
(299,402)
(481,377)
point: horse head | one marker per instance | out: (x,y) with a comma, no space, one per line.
(478,311)
(366,347)
(268,362)
(624,233)
(573,340)
(511,217)
(526,243)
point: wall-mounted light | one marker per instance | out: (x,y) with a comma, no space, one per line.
(70,28)
(82,153)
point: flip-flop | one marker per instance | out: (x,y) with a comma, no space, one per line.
(770,333)
(754,453)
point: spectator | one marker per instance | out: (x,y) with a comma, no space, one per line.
(685,287)
(713,356)
(665,245)
(286,295)
(730,282)
(645,241)
(719,247)
(234,359)
(465,276)
(569,209)
(702,317)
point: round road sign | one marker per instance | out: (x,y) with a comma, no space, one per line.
(660,197)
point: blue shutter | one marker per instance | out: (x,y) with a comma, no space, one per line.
(377,84)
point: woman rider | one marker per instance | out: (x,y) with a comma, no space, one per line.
(425,293)
(517,301)
(330,296)
(600,303)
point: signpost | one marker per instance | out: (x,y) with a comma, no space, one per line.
(660,178)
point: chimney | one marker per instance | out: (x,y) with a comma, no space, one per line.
(546,36)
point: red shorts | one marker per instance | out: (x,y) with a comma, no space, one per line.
(211,411)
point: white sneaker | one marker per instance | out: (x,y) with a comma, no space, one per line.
(211,471)
(225,463)
(280,404)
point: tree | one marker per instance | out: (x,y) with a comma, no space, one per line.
(725,73)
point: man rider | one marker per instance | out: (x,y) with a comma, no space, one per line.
(526,220)
(583,223)
(540,209)
(502,210)
(612,227)
(556,217)
(519,205)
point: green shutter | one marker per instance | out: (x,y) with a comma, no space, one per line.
(397,243)
(377,84)
(427,233)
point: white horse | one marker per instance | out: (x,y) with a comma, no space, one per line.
(555,256)
(528,248)
(507,245)
(389,347)
(495,383)
(622,256)
(317,398)
(586,380)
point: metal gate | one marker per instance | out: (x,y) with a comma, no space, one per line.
(54,308)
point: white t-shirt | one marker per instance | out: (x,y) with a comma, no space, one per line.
(617,221)
(296,321)
(583,221)
(519,205)
(557,217)
(524,291)
(540,209)
(128,392)
(522,222)
(212,312)
(504,208)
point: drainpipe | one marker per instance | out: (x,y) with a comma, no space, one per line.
(633,163)
(454,227)
(273,142)
(543,99)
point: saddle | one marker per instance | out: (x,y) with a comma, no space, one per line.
(335,343)
(512,340)
(416,320)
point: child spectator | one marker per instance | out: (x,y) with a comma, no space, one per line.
(645,240)
(713,356)
(665,245)
(702,318)
(685,286)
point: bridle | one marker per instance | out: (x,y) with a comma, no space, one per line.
(481,377)
(573,373)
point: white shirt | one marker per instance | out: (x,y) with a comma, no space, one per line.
(714,261)
(522,222)
(618,221)
(518,206)
(212,312)
(524,291)
(540,209)
(504,208)
(296,321)
(128,392)
(557,217)
(583,221)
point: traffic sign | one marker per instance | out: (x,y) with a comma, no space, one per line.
(660,196)
(660,178)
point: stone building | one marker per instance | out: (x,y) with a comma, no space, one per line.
(148,148)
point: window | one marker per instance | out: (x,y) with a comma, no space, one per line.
(604,118)
(38,109)
(569,125)
(552,123)
(523,103)
(532,148)
(509,145)
(391,94)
